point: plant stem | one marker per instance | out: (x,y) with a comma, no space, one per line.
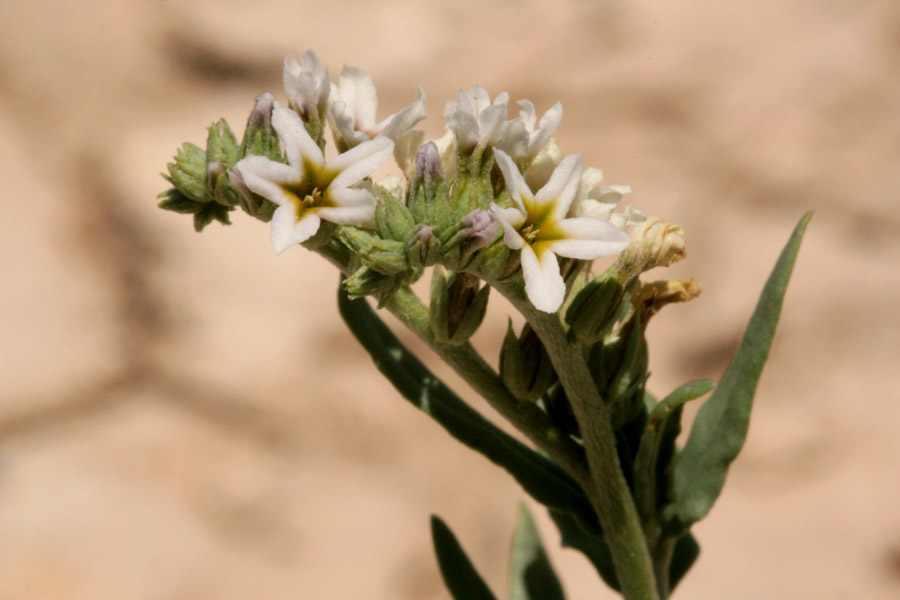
(609,493)
(662,560)
(474,370)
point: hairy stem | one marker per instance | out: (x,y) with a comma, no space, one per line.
(609,491)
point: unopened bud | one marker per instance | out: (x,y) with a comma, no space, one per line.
(427,199)
(619,367)
(188,172)
(366,281)
(385,256)
(392,219)
(423,249)
(458,305)
(221,145)
(260,138)
(595,308)
(525,365)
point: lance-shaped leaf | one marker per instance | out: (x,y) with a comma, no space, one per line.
(543,479)
(663,425)
(531,576)
(720,427)
(459,575)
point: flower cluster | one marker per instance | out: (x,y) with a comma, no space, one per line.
(492,197)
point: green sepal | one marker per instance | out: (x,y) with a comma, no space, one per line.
(392,219)
(423,248)
(386,256)
(457,306)
(720,428)
(595,309)
(260,138)
(188,172)
(540,477)
(525,366)
(175,201)
(221,145)
(366,281)
(531,576)
(210,212)
(460,576)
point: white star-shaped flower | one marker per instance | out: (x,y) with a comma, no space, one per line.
(309,189)
(539,134)
(306,83)
(537,225)
(354,104)
(476,121)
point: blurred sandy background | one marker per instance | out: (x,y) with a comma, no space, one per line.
(183,416)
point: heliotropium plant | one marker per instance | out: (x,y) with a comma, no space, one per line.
(494,204)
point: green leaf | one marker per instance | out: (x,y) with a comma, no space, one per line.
(592,546)
(686,552)
(459,575)
(720,427)
(531,576)
(656,445)
(540,477)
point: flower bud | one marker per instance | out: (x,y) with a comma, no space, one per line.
(427,195)
(388,257)
(221,145)
(525,365)
(619,367)
(260,138)
(475,231)
(423,249)
(392,219)
(188,172)
(595,308)
(458,306)
(366,281)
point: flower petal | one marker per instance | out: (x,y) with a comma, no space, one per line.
(297,142)
(511,219)
(544,284)
(352,207)
(287,231)
(360,161)
(515,183)
(358,92)
(563,185)
(549,123)
(403,122)
(264,176)
(589,238)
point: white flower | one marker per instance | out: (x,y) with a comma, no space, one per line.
(308,189)
(477,122)
(537,225)
(354,104)
(599,201)
(538,137)
(306,84)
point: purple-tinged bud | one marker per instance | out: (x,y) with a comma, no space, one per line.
(481,227)
(428,161)
(260,138)
(261,115)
